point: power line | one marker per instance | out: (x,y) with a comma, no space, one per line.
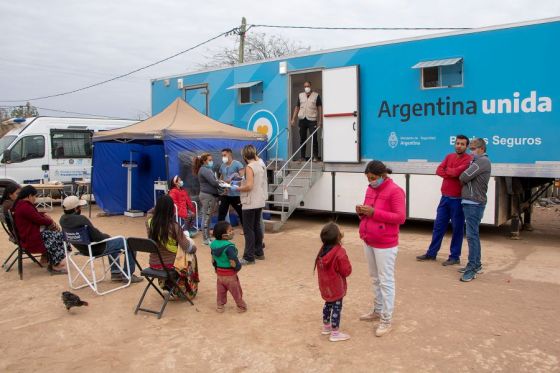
(229,32)
(361,28)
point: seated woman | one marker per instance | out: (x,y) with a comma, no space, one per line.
(185,207)
(7,201)
(164,230)
(38,233)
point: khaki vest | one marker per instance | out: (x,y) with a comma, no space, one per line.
(255,199)
(308,106)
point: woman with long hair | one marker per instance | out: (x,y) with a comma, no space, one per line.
(383,211)
(38,233)
(170,238)
(7,201)
(208,196)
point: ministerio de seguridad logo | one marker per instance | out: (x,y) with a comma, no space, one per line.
(263,121)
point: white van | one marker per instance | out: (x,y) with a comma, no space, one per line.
(51,149)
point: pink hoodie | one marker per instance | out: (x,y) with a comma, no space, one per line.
(381,230)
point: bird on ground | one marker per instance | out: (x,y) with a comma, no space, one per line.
(72,300)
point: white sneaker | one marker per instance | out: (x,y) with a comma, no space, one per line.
(383,328)
(370,316)
(337,336)
(327,329)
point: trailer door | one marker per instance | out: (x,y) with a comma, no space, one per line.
(341,124)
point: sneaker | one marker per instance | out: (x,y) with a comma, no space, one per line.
(259,257)
(383,328)
(246,262)
(478,271)
(370,316)
(327,329)
(206,241)
(116,277)
(423,258)
(193,233)
(220,309)
(241,310)
(337,336)
(133,279)
(450,262)
(468,276)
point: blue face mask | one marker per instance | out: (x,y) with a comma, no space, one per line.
(376,183)
(210,164)
(181,184)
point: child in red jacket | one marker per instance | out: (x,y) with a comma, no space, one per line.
(185,207)
(333,266)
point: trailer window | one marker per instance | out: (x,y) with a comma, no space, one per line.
(251,95)
(443,76)
(71,144)
(29,147)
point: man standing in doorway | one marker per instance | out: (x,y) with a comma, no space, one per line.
(309,111)
(230,170)
(475,186)
(449,207)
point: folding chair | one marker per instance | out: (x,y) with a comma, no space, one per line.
(178,219)
(10,228)
(80,236)
(168,275)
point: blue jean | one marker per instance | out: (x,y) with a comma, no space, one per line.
(115,248)
(448,209)
(473,217)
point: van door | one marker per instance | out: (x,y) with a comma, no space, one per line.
(70,154)
(341,123)
(27,156)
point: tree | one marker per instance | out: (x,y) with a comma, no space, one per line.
(258,46)
(24,111)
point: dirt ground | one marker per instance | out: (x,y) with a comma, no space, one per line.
(506,320)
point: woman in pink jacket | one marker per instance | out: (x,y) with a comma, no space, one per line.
(383,211)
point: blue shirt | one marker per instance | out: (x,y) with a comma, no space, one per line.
(226,173)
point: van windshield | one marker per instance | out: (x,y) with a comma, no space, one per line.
(5,142)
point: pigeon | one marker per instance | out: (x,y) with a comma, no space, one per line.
(72,300)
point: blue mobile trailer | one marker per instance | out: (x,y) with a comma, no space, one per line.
(403,102)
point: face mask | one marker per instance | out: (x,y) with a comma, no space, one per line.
(181,184)
(376,183)
(210,164)
(225,159)
(307,89)
(227,236)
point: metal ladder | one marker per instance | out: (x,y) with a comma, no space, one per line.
(291,183)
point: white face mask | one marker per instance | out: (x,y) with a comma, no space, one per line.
(225,159)
(307,89)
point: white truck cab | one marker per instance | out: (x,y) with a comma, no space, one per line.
(51,149)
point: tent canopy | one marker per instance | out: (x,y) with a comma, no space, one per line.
(178,120)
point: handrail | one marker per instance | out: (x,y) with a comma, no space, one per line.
(298,149)
(272,143)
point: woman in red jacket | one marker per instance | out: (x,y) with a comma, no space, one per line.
(37,232)
(333,267)
(383,211)
(185,207)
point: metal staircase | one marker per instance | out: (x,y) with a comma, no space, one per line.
(291,182)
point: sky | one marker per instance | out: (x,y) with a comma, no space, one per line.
(53,46)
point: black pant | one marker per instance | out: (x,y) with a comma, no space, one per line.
(225,202)
(253,234)
(332,312)
(304,125)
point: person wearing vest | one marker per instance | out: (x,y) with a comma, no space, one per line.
(309,111)
(226,265)
(253,196)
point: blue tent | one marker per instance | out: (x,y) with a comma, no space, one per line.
(161,146)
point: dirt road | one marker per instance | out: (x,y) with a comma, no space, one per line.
(506,320)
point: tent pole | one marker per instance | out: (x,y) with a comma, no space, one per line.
(166,167)
(91,179)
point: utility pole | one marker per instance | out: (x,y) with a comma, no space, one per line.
(242,31)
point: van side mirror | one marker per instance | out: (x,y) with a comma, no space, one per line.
(6,156)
